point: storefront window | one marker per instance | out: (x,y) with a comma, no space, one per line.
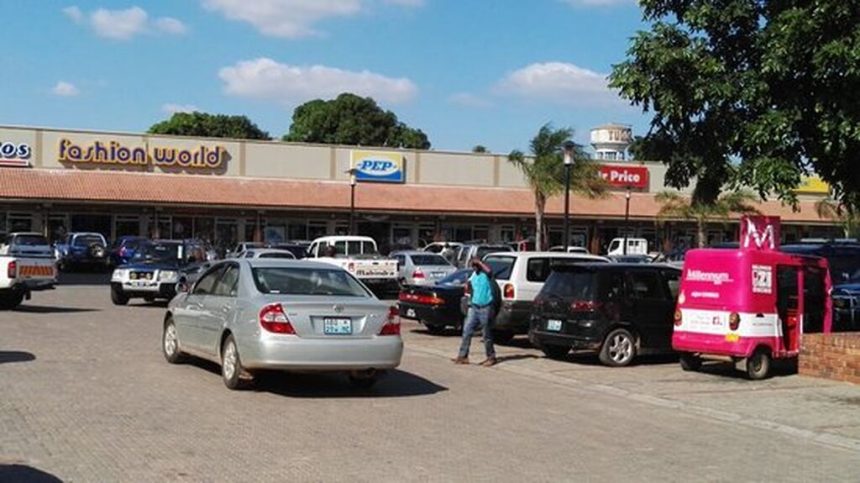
(204,229)
(226,233)
(92,223)
(165,227)
(275,233)
(251,230)
(57,227)
(427,233)
(126,226)
(481,232)
(401,235)
(298,231)
(506,233)
(462,233)
(317,229)
(341,228)
(182,227)
(19,222)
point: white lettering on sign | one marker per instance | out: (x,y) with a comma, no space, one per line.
(762,279)
(625,176)
(716,278)
(767,235)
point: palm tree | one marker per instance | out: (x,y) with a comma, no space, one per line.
(676,205)
(544,172)
(845,215)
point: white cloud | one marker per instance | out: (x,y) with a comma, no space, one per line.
(559,82)
(171,108)
(65,89)
(74,13)
(598,3)
(466,99)
(264,78)
(284,18)
(124,24)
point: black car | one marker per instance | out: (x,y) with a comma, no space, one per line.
(617,310)
(436,306)
(155,270)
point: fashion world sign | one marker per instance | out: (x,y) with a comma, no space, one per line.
(116,153)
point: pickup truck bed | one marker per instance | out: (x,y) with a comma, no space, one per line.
(19,276)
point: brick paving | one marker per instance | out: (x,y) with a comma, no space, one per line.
(85,395)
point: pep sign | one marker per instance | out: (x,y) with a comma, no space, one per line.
(382,166)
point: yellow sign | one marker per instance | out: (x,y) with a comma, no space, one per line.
(113,152)
(813,185)
(382,166)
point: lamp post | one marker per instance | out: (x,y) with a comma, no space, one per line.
(352,181)
(568,149)
(626,219)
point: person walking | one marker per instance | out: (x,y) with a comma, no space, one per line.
(479,314)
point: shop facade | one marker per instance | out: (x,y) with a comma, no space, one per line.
(226,191)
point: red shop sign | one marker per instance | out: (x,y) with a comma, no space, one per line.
(636,177)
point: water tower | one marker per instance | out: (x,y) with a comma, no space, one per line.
(610,141)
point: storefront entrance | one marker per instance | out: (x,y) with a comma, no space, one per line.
(92,223)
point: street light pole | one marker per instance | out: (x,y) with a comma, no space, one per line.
(626,219)
(352,201)
(568,149)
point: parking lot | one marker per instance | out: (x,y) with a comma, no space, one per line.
(85,395)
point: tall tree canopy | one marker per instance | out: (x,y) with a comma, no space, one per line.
(544,172)
(754,92)
(209,125)
(350,119)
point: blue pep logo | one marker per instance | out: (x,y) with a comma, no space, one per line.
(378,166)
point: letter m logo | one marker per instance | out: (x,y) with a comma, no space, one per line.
(760,232)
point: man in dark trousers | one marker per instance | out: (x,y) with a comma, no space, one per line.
(479,313)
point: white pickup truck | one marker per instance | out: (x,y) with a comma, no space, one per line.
(359,256)
(25,267)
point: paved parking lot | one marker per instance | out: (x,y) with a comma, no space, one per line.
(85,395)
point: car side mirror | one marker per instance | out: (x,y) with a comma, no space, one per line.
(182,286)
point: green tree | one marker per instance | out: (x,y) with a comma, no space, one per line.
(209,125)
(749,92)
(677,206)
(350,119)
(846,216)
(544,172)
(479,148)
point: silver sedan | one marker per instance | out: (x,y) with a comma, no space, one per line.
(260,314)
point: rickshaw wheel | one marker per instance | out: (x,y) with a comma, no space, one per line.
(690,362)
(758,365)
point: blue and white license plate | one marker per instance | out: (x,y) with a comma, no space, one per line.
(553,325)
(337,326)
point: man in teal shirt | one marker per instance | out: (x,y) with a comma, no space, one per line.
(479,313)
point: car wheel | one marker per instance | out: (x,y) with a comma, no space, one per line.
(758,365)
(502,336)
(149,298)
(118,297)
(363,379)
(435,329)
(690,362)
(231,364)
(618,349)
(170,343)
(555,351)
(11,300)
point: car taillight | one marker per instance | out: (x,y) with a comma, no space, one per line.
(422,299)
(417,273)
(678,317)
(508,291)
(583,305)
(734,321)
(350,267)
(274,319)
(12,270)
(392,324)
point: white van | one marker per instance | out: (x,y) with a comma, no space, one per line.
(521,276)
(635,246)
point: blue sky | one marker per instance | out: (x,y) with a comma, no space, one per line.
(472,72)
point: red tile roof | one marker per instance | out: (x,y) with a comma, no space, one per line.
(104,186)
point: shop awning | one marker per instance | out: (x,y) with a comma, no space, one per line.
(50,185)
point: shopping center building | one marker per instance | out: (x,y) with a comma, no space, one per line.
(56,181)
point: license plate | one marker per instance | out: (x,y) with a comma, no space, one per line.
(332,326)
(437,274)
(410,313)
(139,283)
(553,325)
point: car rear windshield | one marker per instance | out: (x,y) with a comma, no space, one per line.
(457,278)
(571,283)
(501,266)
(428,260)
(307,281)
(87,240)
(31,240)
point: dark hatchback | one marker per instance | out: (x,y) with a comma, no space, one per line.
(617,310)
(436,306)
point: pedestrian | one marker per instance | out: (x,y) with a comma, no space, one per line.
(479,313)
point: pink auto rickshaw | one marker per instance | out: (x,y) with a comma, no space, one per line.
(749,306)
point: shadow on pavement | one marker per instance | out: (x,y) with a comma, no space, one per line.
(591,359)
(25,474)
(780,368)
(514,357)
(46,309)
(15,356)
(447,332)
(83,278)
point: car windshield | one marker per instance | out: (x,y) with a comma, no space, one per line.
(87,240)
(501,266)
(277,255)
(570,283)
(457,278)
(307,281)
(424,260)
(30,240)
(161,252)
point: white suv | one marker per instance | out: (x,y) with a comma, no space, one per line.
(521,276)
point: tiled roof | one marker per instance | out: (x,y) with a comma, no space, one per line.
(104,186)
